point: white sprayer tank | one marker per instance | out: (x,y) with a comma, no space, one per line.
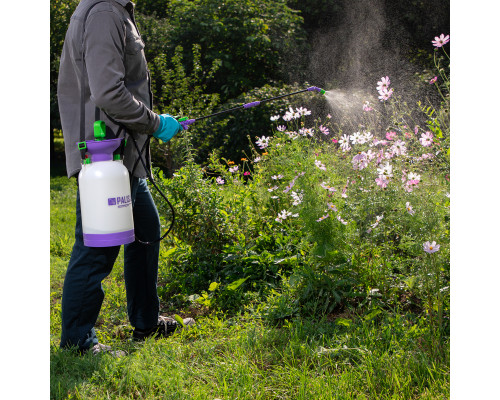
(105,199)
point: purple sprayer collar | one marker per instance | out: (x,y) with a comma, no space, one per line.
(102,150)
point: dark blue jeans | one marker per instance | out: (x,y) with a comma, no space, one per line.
(82,291)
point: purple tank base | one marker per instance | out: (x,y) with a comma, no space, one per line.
(314,88)
(102,150)
(108,239)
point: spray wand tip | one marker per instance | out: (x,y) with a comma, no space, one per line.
(317,89)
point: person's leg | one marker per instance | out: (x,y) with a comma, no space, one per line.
(82,291)
(141,260)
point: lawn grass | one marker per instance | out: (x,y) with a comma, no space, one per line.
(388,356)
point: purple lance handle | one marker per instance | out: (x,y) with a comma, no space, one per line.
(252,104)
(185,124)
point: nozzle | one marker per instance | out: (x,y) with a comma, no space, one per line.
(322,91)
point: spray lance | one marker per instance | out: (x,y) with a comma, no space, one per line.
(185,122)
(105,197)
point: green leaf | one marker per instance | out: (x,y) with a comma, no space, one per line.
(372,315)
(236,284)
(213,286)
(343,322)
(179,320)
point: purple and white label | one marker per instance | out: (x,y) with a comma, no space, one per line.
(120,201)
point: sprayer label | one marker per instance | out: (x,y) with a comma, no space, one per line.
(120,201)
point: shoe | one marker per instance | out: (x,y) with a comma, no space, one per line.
(166,326)
(100,348)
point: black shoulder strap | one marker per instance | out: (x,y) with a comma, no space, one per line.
(83,81)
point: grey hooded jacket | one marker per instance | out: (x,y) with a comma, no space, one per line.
(116,80)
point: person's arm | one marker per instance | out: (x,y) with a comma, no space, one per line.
(104,58)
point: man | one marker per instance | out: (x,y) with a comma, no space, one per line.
(103,75)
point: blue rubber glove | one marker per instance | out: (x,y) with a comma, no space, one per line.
(168,128)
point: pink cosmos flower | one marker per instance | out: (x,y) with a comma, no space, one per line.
(332,207)
(411,184)
(370,155)
(383,84)
(320,165)
(323,217)
(367,107)
(233,169)
(303,111)
(344,195)
(412,176)
(431,247)
(341,220)
(409,208)
(246,173)
(379,218)
(355,137)
(382,181)
(297,197)
(433,80)
(441,40)
(426,139)
(306,132)
(366,136)
(399,147)
(284,214)
(360,161)
(289,187)
(281,128)
(385,95)
(334,140)
(219,181)
(326,186)
(380,156)
(324,130)
(263,142)
(344,140)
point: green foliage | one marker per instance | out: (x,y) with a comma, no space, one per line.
(251,38)
(157,8)
(181,94)
(231,134)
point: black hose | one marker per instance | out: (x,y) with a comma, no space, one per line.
(150,178)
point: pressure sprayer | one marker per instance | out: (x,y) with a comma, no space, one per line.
(105,198)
